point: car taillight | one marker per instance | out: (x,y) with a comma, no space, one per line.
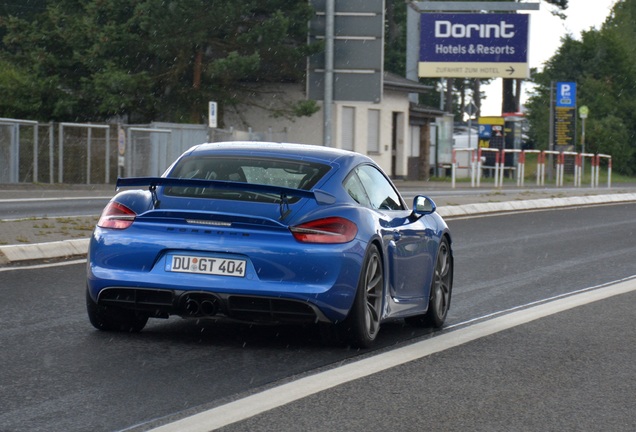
(116,216)
(328,230)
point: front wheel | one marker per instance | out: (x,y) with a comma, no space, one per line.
(114,319)
(363,323)
(441,289)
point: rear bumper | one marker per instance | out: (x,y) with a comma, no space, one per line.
(162,303)
(280,273)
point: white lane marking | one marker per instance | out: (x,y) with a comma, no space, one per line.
(537,302)
(287,393)
(41,266)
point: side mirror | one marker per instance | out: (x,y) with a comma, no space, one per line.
(423,205)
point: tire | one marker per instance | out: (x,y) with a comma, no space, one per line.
(441,290)
(114,319)
(363,323)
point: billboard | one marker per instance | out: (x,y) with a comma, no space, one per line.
(474,45)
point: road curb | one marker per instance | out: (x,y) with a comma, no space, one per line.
(38,251)
(79,247)
(536,204)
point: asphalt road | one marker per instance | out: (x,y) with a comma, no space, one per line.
(24,208)
(90,200)
(570,371)
(567,372)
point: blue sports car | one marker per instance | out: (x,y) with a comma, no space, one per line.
(269,233)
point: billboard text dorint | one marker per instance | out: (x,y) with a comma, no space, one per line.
(474,45)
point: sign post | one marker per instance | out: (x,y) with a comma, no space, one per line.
(584,111)
(565,116)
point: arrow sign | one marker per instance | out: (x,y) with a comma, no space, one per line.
(510,70)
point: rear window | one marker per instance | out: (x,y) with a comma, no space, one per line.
(266,171)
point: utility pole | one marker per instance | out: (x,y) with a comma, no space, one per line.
(551,132)
(327,104)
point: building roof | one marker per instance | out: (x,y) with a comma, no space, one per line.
(398,83)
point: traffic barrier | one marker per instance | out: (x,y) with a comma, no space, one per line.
(476,159)
(540,166)
(480,158)
(454,166)
(520,164)
(577,167)
(609,169)
(558,166)
(583,156)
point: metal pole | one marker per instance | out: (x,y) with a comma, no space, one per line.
(412,47)
(551,132)
(329,52)
(88,156)
(583,143)
(107,176)
(130,152)
(51,152)
(15,147)
(36,150)
(60,155)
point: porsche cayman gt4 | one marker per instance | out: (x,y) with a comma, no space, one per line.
(269,233)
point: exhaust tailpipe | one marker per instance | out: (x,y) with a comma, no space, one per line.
(192,307)
(210,307)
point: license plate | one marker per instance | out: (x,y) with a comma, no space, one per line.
(206,265)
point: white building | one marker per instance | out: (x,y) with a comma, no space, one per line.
(399,135)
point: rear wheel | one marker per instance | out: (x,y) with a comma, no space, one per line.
(114,319)
(441,289)
(363,323)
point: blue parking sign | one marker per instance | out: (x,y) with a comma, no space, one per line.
(485,132)
(566,95)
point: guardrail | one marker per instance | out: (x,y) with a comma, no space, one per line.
(476,158)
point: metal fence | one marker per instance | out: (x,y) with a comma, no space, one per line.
(91,153)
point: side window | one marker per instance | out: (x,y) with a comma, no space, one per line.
(354,188)
(380,191)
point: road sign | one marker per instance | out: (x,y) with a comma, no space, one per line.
(584,111)
(358,51)
(474,45)
(121,141)
(566,95)
(212,114)
(564,126)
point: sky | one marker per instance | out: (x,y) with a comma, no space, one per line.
(546,32)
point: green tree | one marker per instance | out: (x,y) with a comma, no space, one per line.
(511,88)
(603,63)
(152,59)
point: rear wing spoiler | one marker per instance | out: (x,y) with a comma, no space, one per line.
(320,196)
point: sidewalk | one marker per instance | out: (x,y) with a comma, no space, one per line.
(43,238)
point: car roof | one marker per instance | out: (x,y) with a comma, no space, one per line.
(259,148)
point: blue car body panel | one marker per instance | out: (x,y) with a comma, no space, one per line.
(277,266)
